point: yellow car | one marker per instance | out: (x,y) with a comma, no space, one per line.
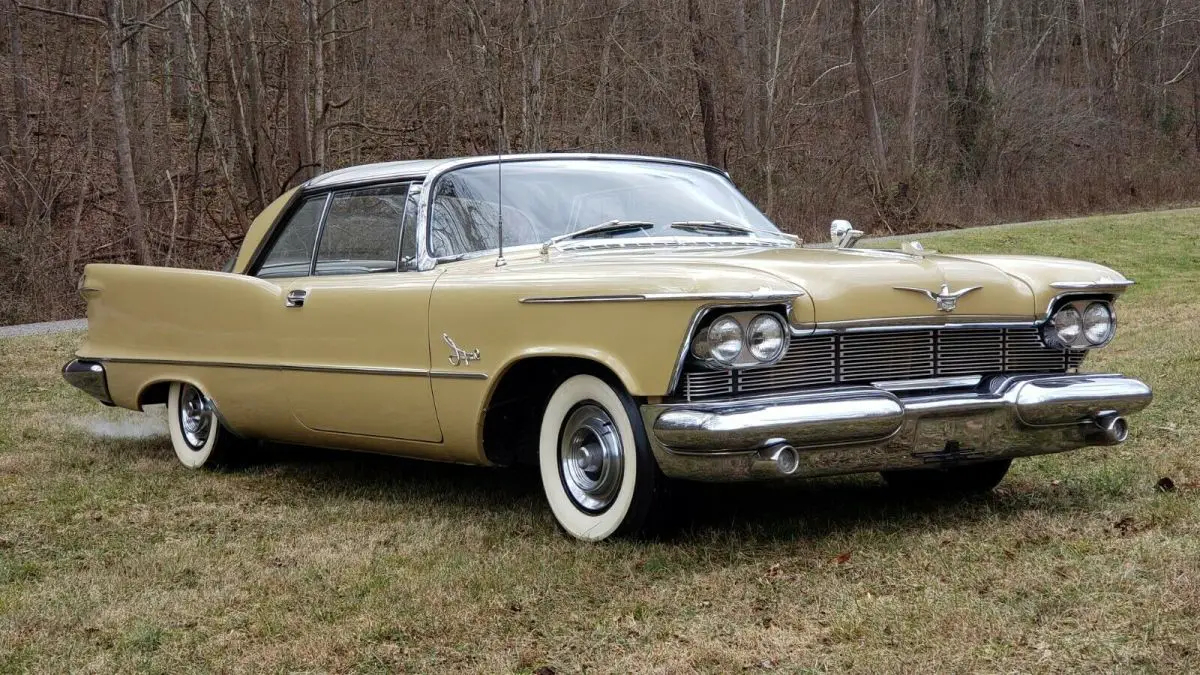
(617,322)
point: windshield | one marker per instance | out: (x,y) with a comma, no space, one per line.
(550,198)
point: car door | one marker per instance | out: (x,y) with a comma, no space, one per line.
(354,329)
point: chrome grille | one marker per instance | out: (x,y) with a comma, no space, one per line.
(862,358)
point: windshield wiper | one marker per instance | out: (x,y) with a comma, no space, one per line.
(725,227)
(715,226)
(609,227)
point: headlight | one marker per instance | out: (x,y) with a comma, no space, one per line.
(725,340)
(1080,324)
(1097,323)
(766,337)
(1064,328)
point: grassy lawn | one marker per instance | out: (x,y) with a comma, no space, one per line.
(115,558)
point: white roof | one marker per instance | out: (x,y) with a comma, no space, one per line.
(419,168)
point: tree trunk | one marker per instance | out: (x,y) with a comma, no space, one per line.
(704,88)
(916,67)
(136,234)
(317,19)
(15,139)
(747,67)
(866,97)
(299,134)
(533,103)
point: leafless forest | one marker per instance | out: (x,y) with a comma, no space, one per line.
(152,131)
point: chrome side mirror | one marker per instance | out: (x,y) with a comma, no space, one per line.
(843,234)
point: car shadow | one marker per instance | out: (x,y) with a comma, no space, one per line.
(792,510)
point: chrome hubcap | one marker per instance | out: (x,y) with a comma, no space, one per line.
(591,461)
(195,416)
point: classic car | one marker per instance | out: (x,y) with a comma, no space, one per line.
(616,322)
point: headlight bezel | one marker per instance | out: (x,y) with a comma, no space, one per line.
(1052,332)
(701,346)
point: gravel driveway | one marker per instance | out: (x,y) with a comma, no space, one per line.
(43,328)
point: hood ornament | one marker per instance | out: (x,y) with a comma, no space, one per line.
(946,301)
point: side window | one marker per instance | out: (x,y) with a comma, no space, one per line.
(291,253)
(362,231)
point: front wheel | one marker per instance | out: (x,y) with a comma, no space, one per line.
(197,435)
(971,479)
(597,469)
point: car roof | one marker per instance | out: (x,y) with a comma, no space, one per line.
(366,173)
(419,168)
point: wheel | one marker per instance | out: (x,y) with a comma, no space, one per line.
(597,469)
(199,438)
(971,479)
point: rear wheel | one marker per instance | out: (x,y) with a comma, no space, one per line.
(199,438)
(595,461)
(971,479)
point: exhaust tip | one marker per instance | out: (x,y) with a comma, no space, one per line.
(786,460)
(1112,428)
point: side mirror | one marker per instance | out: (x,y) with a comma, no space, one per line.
(843,234)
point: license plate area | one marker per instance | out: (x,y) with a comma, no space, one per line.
(953,439)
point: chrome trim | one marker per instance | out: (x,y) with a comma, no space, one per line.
(455,375)
(594,245)
(89,377)
(354,370)
(312,262)
(858,429)
(736,296)
(929,383)
(1102,285)
(910,323)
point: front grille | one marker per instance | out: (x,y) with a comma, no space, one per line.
(862,358)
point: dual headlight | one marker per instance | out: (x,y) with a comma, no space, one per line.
(742,339)
(1081,324)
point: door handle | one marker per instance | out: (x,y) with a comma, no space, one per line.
(296,298)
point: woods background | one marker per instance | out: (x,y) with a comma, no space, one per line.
(152,131)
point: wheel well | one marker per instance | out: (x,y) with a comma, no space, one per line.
(154,394)
(513,418)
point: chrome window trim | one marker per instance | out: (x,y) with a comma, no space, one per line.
(312,263)
(352,370)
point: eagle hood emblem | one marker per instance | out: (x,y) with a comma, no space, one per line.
(946,300)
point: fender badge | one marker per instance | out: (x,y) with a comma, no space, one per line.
(946,301)
(458,355)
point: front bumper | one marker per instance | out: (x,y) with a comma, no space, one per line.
(89,376)
(859,429)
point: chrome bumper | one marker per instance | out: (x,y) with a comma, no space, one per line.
(851,430)
(90,377)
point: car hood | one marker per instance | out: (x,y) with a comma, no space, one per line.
(857,285)
(837,285)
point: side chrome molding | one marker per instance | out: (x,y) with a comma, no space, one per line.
(736,296)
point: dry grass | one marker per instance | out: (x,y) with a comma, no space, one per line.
(113,558)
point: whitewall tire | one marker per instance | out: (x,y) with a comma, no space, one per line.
(197,435)
(596,466)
